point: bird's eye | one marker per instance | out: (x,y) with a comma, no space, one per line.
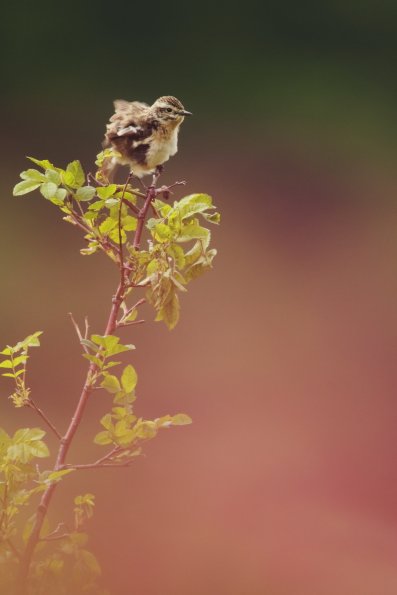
(169,109)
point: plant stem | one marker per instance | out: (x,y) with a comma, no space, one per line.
(150,196)
(88,387)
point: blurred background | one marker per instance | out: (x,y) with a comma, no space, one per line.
(286,483)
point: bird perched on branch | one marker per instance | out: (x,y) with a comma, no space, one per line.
(144,136)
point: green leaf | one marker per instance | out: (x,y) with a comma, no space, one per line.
(110,365)
(170,312)
(28,434)
(90,562)
(111,384)
(39,449)
(212,217)
(76,173)
(89,344)
(106,341)
(120,349)
(114,235)
(130,223)
(44,163)
(106,421)
(107,225)
(25,187)
(111,202)
(145,430)
(87,499)
(59,196)
(29,341)
(6,351)
(21,359)
(48,190)
(7,363)
(177,283)
(68,178)
(181,419)
(101,339)
(57,475)
(103,438)
(25,451)
(97,205)
(33,174)
(177,254)
(93,359)
(193,231)
(195,203)
(161,233)
(33,340)
(106,191)
(129,379)
(85,193)
(51,175)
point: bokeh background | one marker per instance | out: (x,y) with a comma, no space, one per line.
(286,483)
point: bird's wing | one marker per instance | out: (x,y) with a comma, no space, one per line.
(126,120)
(121,105)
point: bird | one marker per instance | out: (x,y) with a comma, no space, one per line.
(143,136)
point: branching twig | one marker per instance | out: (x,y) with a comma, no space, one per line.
(88,387)
(121,322)
(55,534)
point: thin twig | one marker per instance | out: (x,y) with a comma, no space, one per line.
(87,327)
(131,205)
(55,534)
(14,549)
(78,332)
(100,465)
(150,196)
(131,323)
(120,227)
(91,178)
(128,312)
(43,416)
(56,537)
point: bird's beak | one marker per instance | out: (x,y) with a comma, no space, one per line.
(183,112)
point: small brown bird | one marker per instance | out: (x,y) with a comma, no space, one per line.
(145,136)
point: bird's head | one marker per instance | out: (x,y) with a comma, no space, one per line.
(169,110)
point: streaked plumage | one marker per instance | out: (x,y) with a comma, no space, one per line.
(145,136)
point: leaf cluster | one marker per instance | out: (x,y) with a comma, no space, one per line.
(178,249)
(15,362)
(122,428)
(61,564)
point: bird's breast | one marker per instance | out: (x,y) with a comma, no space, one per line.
(161,147)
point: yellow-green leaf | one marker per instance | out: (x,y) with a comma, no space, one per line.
(129,378)
(181,419)
(25,186)
(111,384)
